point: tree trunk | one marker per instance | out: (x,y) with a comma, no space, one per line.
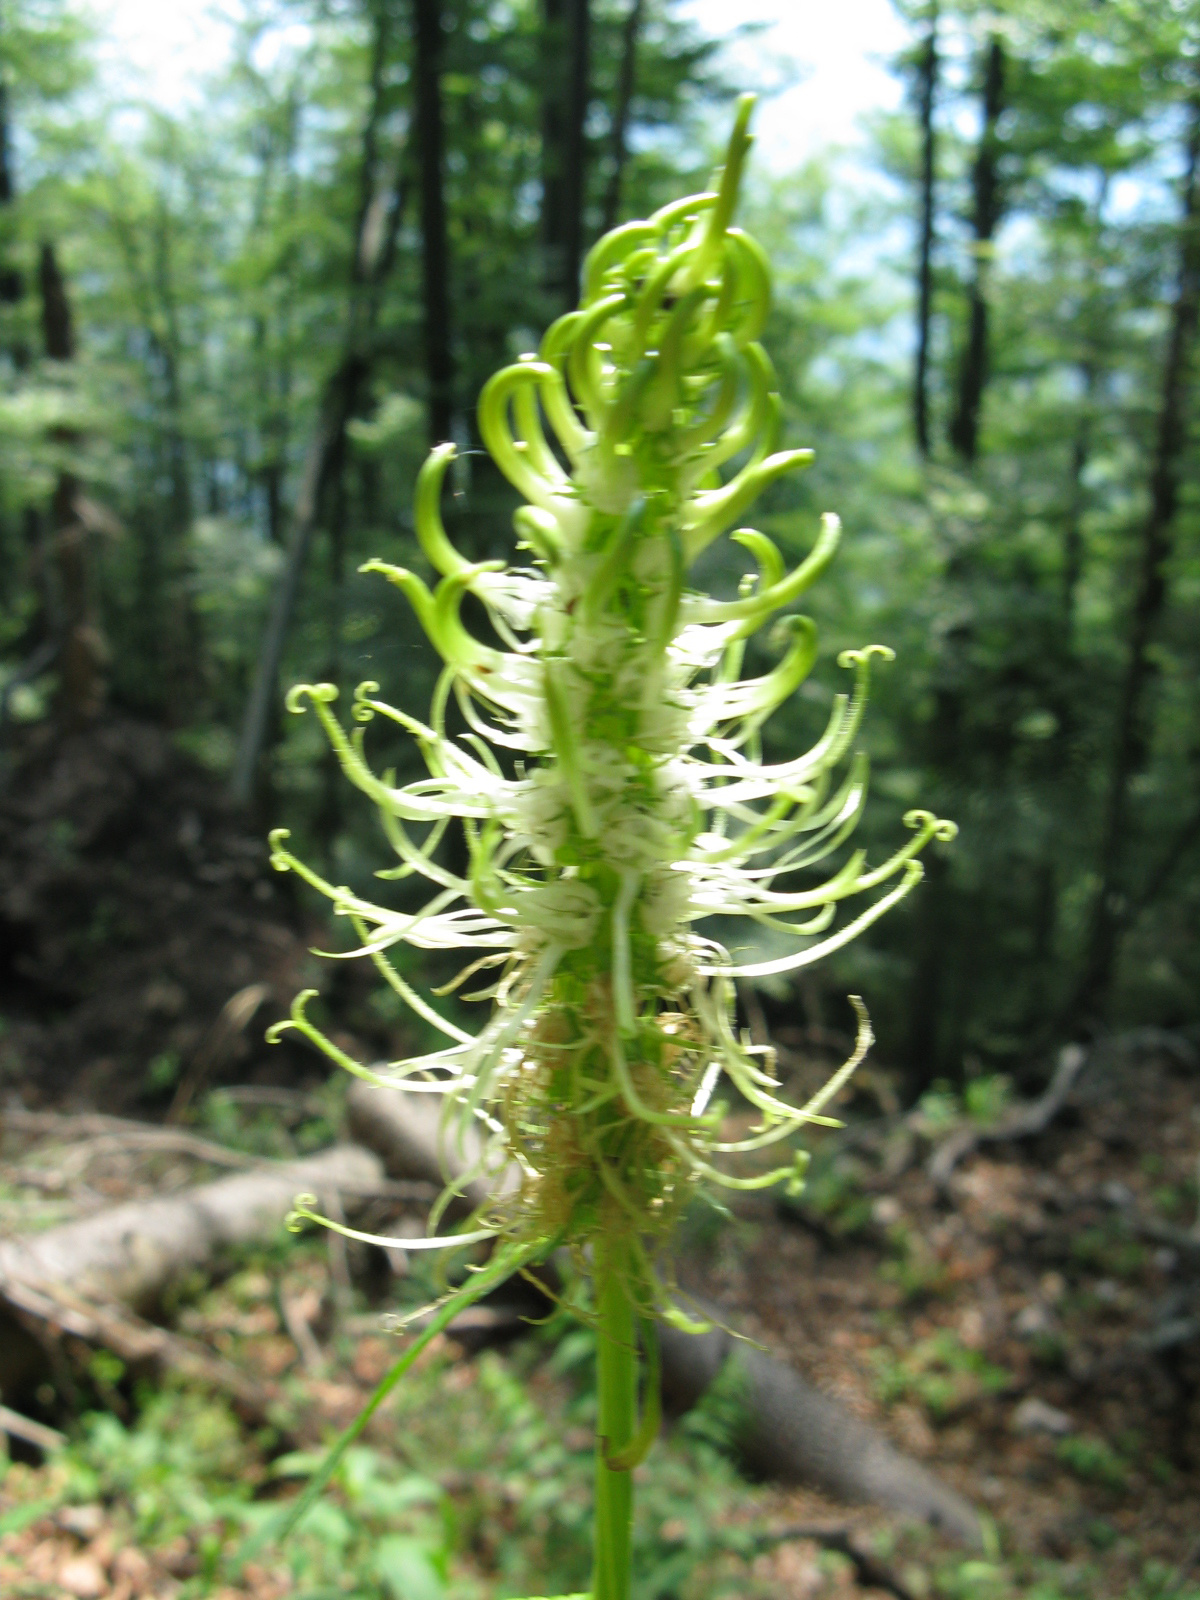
(566,66)
(340,398)
(926,91)
(1115,897)
(626,78)
(82,653)
(371,262)
(81,1278)
(178,624)
(11,286)
(435,245)
(1072,567)
(973,369)
(926,1053)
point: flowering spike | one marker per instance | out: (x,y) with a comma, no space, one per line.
(637,808)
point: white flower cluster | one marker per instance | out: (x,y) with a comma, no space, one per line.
(610,786)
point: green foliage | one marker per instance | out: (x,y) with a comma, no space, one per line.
(1111,1248)
(208,261)
(913,1265)
(833,1193)
(940,1373)
(1094,1460)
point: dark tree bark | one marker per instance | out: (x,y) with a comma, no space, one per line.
(927,77)
(274,378)
(929,1038)
(7,187)
(58,333)
(566,69)
(926,991)
(973,369)
(626,78)
(82,653)
(435,244)
(1090,367)
(1116,899)
(160,314)
(11,286)
(621,109)
(371,262)
(1072,567)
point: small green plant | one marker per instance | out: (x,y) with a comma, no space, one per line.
(914,1266)
(1110,1248)
(1094,1460)
(833,1193)
(612,795)
(940,1372)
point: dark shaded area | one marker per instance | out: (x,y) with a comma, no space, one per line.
(134,906)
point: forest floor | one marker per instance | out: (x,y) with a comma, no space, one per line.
(1029,1328)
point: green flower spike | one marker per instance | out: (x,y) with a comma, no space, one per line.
(629,804)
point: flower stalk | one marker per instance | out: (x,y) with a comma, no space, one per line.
(612,793)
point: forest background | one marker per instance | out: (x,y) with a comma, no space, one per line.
(229,334)
(230,330)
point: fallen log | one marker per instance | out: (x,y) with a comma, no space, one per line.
(130,1254)
(88,1280)
(791,1432)
(404,1131)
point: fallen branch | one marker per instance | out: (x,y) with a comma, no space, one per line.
(234,1018)
(116,1133)
(792,1433)
(868,1569)
(1021,1122)
(47,1440)
(48,1313)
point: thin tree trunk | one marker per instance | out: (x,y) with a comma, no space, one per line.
(1072,567)
(973,369)
(566,69)
(926,92)
(178,622)
(579,45)
(274,378)
(370,265)
(926,1050)
(329,811)
(626,78)
(1091,366)
(11,286)
(1114,898)
(82,653)
(435,245)
(169,349)
(341,397)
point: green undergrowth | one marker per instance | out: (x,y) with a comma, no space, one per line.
(940,1372)
(477,1487)
(476,1482)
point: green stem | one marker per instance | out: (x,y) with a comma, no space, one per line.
(616,1424)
